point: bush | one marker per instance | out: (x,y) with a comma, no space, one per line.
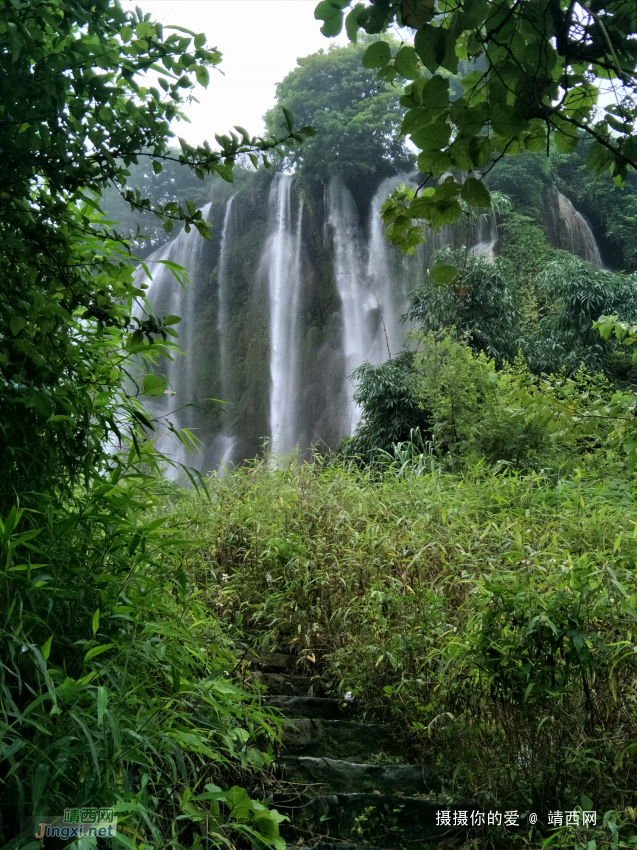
(389,411)
(118,685)
(492,613)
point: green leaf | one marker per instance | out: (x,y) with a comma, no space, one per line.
(289,118)
(17,324)
(507,122)
(351,22)
(436,46)
(434,162)
(102,697)
(475,193)
(406,63)
(203,77)
(157,166)
(200,40)
(475,12)
(46,648)
(98,650)
(154,385)
(432,135)
(480,149)
(377,55)
(96,621)
(442,274)
(330,11)
(239,802)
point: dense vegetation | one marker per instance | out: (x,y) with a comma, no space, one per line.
(491,613)
(107,697)
(466,564)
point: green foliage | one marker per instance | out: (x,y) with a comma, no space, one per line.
(578,295)
(480,303)
(112,680)
(356,117)
(524,179)
(118,686)
(534,85)
(524,252)
(474,410)
(493,613)
(389,411)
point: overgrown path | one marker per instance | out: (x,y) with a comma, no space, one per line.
(346,781)
(488,618)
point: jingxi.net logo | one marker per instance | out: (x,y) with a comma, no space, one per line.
(77,823)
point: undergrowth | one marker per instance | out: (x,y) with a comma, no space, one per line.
(493,614)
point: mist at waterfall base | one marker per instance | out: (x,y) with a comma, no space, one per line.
(309,393)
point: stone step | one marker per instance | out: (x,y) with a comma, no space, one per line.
(330,845)
(342,739)
(276,661)
(313,707)
(284,684)
(346,777)
(379,820)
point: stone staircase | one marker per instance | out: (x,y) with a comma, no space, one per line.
(345,782)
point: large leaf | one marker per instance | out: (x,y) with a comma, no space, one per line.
(377,55)
(475,193)
(432,135)
(154,385)
(508,122)
(436,46)
(442,274)
(416,13)
(406,63)
(331,12)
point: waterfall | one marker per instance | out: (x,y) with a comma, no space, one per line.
(281,262)
(486,236)
(568,229)
(357,299)
(167,297)
(391,276)
(223,316)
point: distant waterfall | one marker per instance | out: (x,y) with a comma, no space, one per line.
(568,229)
(390,276)
(357,299)
(167,297)
(281,261)
(223,317)
(486,236)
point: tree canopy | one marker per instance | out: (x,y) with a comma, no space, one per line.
(357,117)
(77,109)
(546,73)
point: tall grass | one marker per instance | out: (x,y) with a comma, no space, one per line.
(493,614)
(118,687)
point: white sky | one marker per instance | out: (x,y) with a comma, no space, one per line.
(260,41)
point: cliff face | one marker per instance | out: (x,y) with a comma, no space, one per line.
(567,229)
(287,299)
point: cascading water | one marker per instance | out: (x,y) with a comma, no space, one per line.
(390,277)
(486,233)
(568,229)
(292,382)
(222,313)
(357,299)
(281,262)
(167,296)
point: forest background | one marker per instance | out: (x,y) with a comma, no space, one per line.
(487,494)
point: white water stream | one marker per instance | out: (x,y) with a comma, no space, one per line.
(281,262)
